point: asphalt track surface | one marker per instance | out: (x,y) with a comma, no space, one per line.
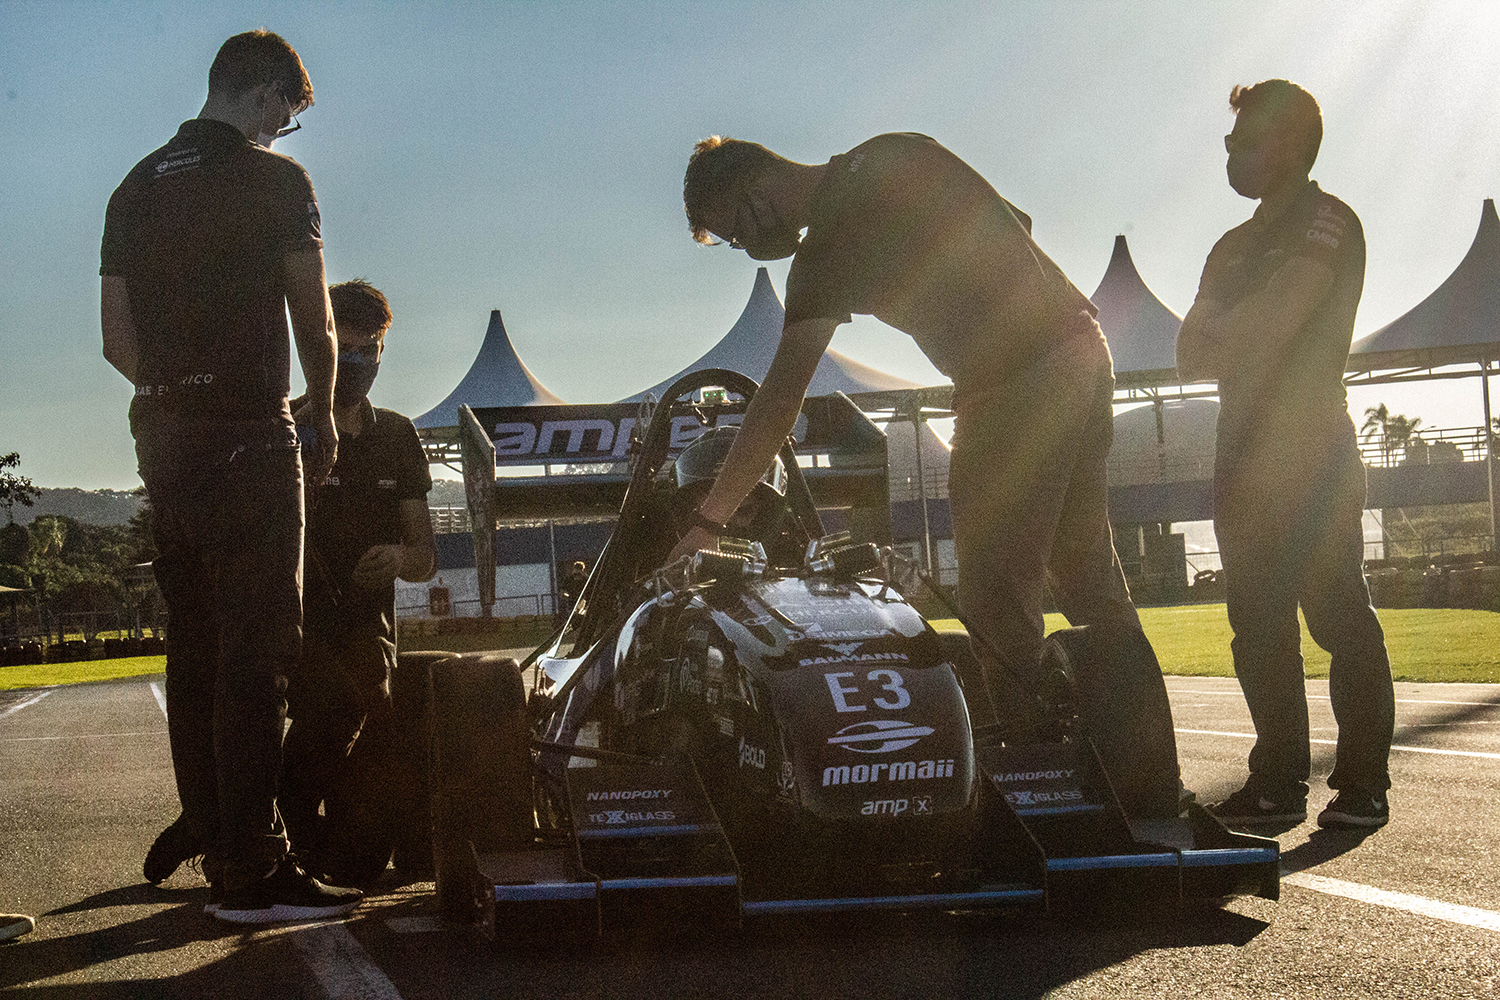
(1412,910)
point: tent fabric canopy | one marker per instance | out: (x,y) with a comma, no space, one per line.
(498,377)
(1458,323)
(751,343)
(1140,329)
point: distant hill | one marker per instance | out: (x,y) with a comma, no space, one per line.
(109,507)
(105,507)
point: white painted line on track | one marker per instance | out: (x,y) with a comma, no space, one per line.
(161,696)
(1444,753)
(29,701)
(82,736)
(1323,697)
(340,963)
(1470,916)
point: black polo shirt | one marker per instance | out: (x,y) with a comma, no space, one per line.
(1297,390)
(904,230)
(199,231)
(360,506)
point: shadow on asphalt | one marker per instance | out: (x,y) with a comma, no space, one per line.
(885,954)
(1322,845)
(90,961)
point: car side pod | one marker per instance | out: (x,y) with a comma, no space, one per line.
(647,850)
(1094,855)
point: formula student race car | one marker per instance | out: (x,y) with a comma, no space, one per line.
(772,727)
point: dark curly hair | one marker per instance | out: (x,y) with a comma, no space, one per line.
(1290,110)
(360,305)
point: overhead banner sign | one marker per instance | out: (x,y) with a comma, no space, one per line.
(601,432)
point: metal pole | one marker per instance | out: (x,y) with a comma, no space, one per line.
(1489,450)
(927,554)
(552,562)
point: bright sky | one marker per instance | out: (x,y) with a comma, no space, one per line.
(529,156)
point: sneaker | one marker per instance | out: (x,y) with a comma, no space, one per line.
(173,846)
(1253,805)
(13,925)
(1355,808)
(288,893)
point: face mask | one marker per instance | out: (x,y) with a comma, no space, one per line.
(265,139)
(355,376)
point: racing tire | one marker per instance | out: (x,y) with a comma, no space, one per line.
(1122,706)
(480,747)
(408,788)
(954,648)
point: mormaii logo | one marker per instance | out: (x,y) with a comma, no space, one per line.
(843,648)
(906,770)
(879,736)
(639,793)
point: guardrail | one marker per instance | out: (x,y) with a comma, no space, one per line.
(519,606)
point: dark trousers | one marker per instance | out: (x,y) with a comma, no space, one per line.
(226,508)
(1028,494)
(1289,522)
(337,793)
(317,748)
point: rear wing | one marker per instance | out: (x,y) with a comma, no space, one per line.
(525,464)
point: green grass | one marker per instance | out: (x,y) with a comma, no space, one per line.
(52,674)
(1426,644)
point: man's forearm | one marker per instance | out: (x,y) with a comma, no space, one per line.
(770,417)
(1263,324)
(1198,342)
(312,325)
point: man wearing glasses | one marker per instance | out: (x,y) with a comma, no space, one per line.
(366,525)
(902,229)
(208,243)
(1272,324)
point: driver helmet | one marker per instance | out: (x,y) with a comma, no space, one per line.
(701,460)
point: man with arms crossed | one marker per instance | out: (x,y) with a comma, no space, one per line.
(1272,324)
(902,229)
(207,243)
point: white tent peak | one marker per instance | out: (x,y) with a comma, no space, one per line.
(1461,315)
(751,343)
(498,377)
(1140,329)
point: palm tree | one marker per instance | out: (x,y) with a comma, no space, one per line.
(1394,431)
(1377,425)
(1403,433)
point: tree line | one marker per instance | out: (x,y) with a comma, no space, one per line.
(66,566)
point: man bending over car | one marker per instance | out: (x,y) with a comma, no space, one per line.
(902,229)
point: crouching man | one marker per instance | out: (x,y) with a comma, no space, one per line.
(366,525)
